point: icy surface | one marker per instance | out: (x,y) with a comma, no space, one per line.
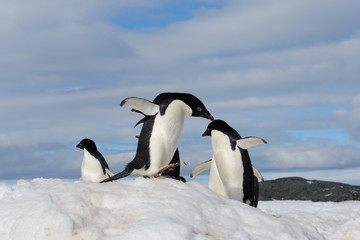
(161,209)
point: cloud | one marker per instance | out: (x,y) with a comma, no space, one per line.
(245,27)
(323,155)
(267,68)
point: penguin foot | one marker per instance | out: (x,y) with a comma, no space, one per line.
(166,168)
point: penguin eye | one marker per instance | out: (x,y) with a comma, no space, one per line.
(199,109)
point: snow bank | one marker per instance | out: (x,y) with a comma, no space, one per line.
(161,209)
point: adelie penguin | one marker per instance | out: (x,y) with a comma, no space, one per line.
(231,171)
(161,132)
(94,167)
(174,171)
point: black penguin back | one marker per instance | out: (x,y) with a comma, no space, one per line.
(248,177)
(256,191)
(142,157)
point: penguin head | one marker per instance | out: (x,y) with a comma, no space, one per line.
(223,127)
(199,110)
(214,125)
(87,143)
(197,107)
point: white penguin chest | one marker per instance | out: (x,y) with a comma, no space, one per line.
(228,162)
(222,150)
(166,134)
(91,169)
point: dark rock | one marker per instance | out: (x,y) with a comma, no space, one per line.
(295,188)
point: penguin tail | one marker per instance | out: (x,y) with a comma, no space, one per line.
(126,172)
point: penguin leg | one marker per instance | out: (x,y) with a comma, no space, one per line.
(126,172)
(167,168)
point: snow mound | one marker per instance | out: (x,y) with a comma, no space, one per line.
(161,209)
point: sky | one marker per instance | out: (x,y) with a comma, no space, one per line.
(285,71)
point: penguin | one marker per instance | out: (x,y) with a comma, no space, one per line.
(173,172)
(161,131)
(94,167)
(231,171)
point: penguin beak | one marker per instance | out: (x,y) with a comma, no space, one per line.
(211,118)
(79,146)
(206,133)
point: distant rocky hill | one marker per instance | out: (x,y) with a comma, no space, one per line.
(296,188)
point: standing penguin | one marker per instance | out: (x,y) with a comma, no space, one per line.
(231,171)
(161,131)
(173,171)
(94,167)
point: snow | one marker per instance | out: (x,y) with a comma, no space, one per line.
(161,209)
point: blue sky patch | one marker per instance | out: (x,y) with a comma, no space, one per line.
(333,134)
(119,147)
(176,11)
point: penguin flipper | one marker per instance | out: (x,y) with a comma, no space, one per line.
(102,161)
(126,172)
(248,142)
(141,105)
(201,167)
(257,174)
